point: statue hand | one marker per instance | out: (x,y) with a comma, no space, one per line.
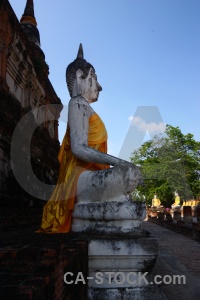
(132,174)
(135,174)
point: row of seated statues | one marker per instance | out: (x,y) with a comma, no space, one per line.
(156,203)
(191,203)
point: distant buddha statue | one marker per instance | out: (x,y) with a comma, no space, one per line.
(155,201)
(177,201)
(85,174)
(198,202)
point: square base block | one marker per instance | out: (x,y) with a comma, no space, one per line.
(120,267)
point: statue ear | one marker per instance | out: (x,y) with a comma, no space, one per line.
(79,74)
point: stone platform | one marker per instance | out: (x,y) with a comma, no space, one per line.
(32,265)
(120,252)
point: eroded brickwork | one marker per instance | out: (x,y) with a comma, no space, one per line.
(25,89)
(32,265)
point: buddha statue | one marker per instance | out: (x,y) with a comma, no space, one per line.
(155,201)
(88,176)
(193,202)
(198,202)
(177,201)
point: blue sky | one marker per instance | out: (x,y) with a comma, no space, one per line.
(147,58)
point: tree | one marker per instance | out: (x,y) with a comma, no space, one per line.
(169,163)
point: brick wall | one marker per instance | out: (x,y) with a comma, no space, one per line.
(32,265)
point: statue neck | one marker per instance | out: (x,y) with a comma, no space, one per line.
(77,91)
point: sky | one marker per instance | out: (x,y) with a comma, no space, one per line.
(146,54)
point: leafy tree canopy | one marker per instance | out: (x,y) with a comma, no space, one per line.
(169,163)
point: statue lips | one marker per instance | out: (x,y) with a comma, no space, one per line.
(97,95)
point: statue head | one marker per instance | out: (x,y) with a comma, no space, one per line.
(81,65)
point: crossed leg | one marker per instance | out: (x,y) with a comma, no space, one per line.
(108,184)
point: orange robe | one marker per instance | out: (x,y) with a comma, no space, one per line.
(57,212)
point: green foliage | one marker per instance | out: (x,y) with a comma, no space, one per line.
(137,196)
(168,164)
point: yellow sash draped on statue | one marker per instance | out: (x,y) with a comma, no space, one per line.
(57,212)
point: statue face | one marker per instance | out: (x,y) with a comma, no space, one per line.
(90,87)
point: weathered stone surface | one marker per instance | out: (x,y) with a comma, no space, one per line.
(144,293)
(109,217)
(197,212)
(177,215)
(112,210)
(187,213)
(120,263)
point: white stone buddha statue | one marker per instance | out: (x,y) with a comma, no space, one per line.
(87,185)
(95,185)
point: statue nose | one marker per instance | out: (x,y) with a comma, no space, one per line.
(99,87)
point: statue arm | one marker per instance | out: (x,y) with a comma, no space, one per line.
(78,117)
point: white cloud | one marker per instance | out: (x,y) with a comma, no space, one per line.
(130,118)
(151,127)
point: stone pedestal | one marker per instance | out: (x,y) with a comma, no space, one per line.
(120,253)
(154,214)
(157,211)
(119,268)
(177,216)
(161,215)
(196,214)
(187,214)
(174,209)
(168,216)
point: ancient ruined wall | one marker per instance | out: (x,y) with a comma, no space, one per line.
(25,90)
